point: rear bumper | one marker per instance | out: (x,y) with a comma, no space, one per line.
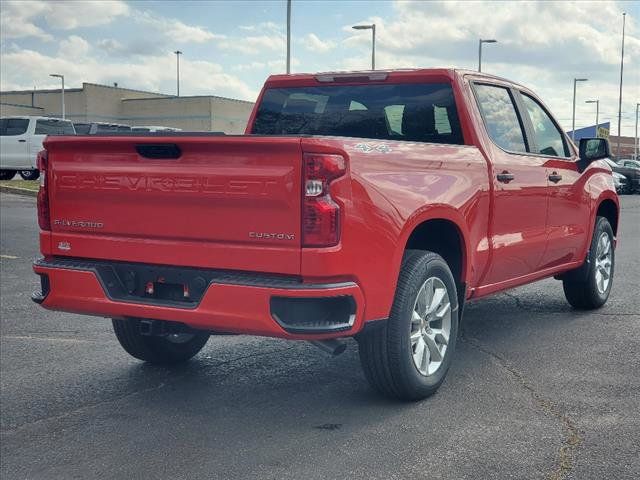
(233,302)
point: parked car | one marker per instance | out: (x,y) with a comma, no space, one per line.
(21,140)
(154,128)
(371,205)
(630,172)
(101,127)
(621,183)
(627,162)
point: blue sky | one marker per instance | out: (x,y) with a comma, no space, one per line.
(230,47)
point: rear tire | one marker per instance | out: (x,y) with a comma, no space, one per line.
(593,292)
(30,174)
(7,174)
(409,357)
(164,350)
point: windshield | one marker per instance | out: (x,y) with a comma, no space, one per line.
(413,112)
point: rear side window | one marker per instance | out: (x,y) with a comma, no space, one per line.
(82,128)
(54,127)
(548,137)
(105,128)
(412,112)
(10,127)
(500,117)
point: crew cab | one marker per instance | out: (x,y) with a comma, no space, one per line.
(21,140)
(371,205)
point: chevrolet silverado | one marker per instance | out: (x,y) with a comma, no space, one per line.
(370,204)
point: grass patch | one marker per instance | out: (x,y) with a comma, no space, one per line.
(26,184)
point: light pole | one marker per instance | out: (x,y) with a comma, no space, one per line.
(61,77)
(624,18)
(573,118)
(597,102)
(288,36)
(635,145)
(480,42)
(371,27)
(178,53)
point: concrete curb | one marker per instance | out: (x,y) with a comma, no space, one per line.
(18,191)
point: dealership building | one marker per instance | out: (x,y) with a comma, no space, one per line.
(112,104)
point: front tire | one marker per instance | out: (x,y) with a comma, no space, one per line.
(164,350)
(409,357)
(593,292)
(7,174)
(30,174)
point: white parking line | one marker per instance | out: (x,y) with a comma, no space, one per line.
(47,339)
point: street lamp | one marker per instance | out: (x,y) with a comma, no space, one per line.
(61,77)
(480,42)
(624,17)
(288,36)
(635,145)
(178,53)
(371,27)
(597,102)
(573,118)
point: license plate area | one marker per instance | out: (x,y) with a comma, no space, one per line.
(176,287)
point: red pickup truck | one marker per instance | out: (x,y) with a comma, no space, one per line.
(370,205)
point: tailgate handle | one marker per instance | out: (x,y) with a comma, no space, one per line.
(159,150)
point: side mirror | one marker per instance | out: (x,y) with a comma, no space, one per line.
(592,149)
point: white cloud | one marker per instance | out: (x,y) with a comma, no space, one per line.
(253,45)
(176,30)
(314,44)
(67,15)
(16,21)
(261,27)
(272,66)
(20,19)
(73,47)
(152,73)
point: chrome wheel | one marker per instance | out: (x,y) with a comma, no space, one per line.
(603,263)
(430,326)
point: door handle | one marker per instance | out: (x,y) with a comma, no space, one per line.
(554,177)
(22,141)
(505,177)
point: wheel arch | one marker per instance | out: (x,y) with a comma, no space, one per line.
(441,231)
(609,209)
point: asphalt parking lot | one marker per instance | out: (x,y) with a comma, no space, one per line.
(536,391)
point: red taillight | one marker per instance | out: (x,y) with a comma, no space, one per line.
(320,214)
(44,217)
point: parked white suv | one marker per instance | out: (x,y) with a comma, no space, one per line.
(21,140)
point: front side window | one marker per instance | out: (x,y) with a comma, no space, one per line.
(548,138)
(11,127)
(500,117)
(411,112)
(54,127)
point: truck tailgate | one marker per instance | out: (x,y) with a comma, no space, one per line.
(207,201)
